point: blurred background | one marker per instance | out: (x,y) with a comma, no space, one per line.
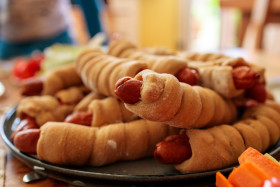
(195,25)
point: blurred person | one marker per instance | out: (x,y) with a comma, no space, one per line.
(98,18)
(28,25)
(91,9)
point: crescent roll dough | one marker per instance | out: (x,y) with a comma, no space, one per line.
(158,63)
(60,78)
(220,146)
(201,57)
(71,144)
(84,103)
(100,72)
(164,99)
(43,108)
(217,73)
(71,95)
(109,110)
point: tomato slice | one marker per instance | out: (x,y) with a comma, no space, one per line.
(19,69)
(27,67)
(34,64)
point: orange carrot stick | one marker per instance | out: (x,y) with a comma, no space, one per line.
(221,180)
(271,168)
(247,174)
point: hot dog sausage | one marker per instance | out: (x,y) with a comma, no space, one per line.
(257,92)
(128,90)
(173,149)
(188,75)
(244,77)
(82,118)
(27,123)
(32,86)
(26,140)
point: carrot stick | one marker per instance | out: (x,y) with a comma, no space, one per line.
(247,174)
(268,166)
(221,180)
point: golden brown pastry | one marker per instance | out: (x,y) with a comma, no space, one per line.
(71,95)
(157,60)
(84,103)
(43,109)
(201,57)
(109,110)
(213,148)
(161,64)
(52,81)
(100,72)
(163,98)
(70,144)
(267,110)
(60,78)
(220,146)
(230,77)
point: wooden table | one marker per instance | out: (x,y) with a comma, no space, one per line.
(15,170)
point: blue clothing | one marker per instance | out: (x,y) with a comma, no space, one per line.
(9,50)
(91,9)
(91,12)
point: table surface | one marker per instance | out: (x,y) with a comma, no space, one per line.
(15,170)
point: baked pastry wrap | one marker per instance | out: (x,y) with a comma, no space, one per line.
(220,146)
(43,109)
(60,78)
(163,98)
(85,101)
(100,71)
(71,144)
(109,110)
(218,74)
(158,63)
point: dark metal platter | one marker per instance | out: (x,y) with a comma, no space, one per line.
(129,173)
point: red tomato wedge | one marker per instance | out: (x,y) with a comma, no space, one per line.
(27,67)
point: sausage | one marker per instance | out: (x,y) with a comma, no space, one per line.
(128,90)
(257,92)
(81,118)
(26,140)
(188,75)
(27,123)
(244,77)
(132,86)
(31,87)
(173,150)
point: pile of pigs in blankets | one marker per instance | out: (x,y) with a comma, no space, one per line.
(195,111)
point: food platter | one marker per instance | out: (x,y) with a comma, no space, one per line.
(146,171)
